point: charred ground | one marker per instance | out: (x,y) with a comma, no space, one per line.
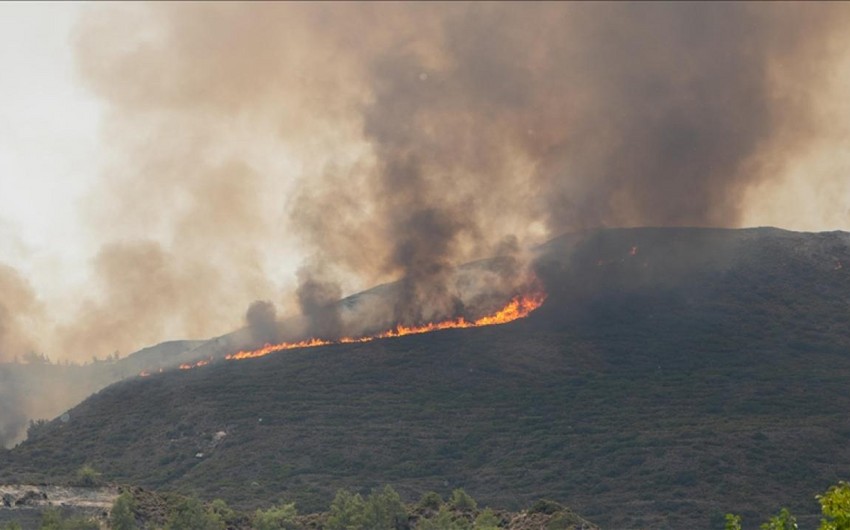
(672,375)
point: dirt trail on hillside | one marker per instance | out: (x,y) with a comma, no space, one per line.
(21,496)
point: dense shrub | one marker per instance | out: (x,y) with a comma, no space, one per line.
(122,517)
(190,514)
(835,505)
(486,520)
(444,520)
(462,501)
(380,510)
(431,500)
(87,477)
(276,518)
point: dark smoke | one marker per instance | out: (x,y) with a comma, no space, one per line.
(572,115)
(423,252)
(317,299)
(397,140)
(261,318)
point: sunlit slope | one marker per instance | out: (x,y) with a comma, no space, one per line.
(671,376)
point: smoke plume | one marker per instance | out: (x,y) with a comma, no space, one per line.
(261,318)
(394,141)
(317,299)
(20,313)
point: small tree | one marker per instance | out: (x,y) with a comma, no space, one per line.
(733,522)
(384,510)
(37,428)
(347,511)
(276,518)
(380,510)
(88,477)
(219,508)
(122,517)
(444,520)
(462,501)
(189,514)
(486,520)
(431,500)
(781,521)
(835,505)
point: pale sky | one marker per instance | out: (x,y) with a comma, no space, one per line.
(48,144)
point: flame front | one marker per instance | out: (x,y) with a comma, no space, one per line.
(518,307)
(189,366)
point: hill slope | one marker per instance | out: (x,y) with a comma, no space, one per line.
(672,375)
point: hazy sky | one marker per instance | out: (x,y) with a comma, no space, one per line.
(179,140)
(48,143)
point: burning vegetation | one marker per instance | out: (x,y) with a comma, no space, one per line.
(518,307)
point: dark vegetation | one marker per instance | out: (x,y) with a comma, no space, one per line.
(382,509)
(661,386)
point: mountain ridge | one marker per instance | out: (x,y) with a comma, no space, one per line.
(671,376)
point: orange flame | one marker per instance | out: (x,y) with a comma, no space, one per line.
(518,307)
(189,366)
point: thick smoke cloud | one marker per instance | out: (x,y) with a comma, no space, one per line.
(20,313)
(396,141)
(261,318)
(317,298)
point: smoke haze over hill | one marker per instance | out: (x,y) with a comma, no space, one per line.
(369,142)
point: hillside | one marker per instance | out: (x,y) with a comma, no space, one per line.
(39,389)
(671,376)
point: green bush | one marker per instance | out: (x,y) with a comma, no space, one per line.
(276,518)
(545,506)
(88,477)
(733,522)
(190,514)
(222,511)
(444,520)
(122,517)
(384,510)
(462,501)
(431,500)
(835,505)
(781,521)
(486,520)
(347,511)
(381,510)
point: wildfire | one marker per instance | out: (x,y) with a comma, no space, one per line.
(518,307)
(189,366)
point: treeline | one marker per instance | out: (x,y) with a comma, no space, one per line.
(835,507)
(382,509)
